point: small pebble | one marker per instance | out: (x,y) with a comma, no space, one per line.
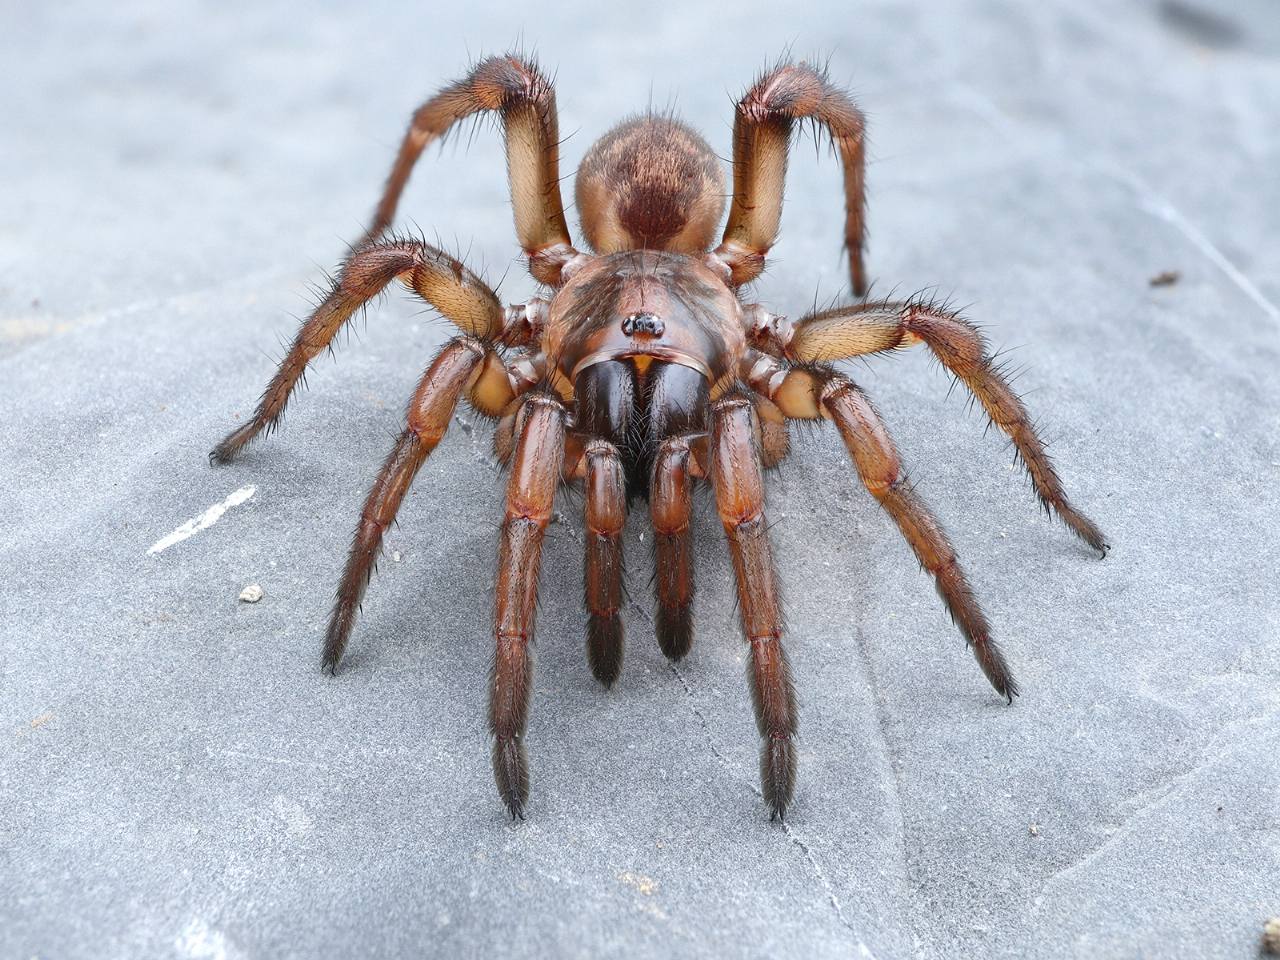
(252,593)
(396,556)
(1034,830)
(1271,936)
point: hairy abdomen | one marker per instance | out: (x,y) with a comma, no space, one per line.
(650,183)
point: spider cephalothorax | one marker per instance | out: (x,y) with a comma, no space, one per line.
(642,373)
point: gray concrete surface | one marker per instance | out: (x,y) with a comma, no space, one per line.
(178,779)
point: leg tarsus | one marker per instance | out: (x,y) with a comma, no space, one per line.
(511,772)
(604,647)
(674,629)
(778,775)
(231,445)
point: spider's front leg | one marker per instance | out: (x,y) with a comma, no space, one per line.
(671,513)
(525,100)
(762,130)
(465,366)
(428,420)
(678,398)
(535,472)
(739,485)
(606,517)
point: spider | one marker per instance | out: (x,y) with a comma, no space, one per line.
(643,372)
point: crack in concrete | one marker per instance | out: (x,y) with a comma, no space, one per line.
(792,835)
(974,100)
(1162,208)
(1167,789)
(880,709)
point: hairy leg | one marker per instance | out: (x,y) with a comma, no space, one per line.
(677,407)
(526,102)
(605,398)
(434,275)
(428,420)
(739,487)
(671,513)
(870,328)
(606,517)
(761,139)
(775,441)
(876,458)
(810,393)
(535,471)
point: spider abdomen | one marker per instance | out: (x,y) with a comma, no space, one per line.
(650,183)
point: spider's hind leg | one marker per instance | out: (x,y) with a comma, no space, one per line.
(762,127)
(524,99)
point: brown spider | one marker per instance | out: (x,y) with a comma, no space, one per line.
(643,372)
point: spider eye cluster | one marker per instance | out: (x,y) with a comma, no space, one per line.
(643,324)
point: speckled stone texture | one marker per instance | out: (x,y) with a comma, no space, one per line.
(177,777)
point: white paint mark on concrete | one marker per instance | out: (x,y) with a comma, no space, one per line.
(204,521)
